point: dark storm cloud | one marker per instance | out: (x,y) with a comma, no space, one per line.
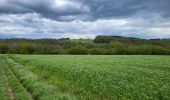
(54,9)
(126,8)
(87,9)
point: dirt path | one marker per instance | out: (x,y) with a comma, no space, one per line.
(10,72)
(9,90)
(28,93)
(14,89)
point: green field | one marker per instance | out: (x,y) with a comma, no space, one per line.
(84,77)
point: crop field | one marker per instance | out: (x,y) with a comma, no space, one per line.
(84,77)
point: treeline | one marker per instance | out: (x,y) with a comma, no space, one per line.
(101,45)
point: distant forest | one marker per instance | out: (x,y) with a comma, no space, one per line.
(101,45)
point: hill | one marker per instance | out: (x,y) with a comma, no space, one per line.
(131,40)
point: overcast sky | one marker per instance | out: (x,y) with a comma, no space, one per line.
(84,18)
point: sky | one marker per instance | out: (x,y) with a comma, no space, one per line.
(84,18)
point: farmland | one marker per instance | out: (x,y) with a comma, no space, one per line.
(88,77)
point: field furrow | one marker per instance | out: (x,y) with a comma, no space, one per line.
(9,90)
(37,86)
(14,88)
(4,88)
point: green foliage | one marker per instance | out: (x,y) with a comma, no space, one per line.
(101,45)
(143,49)
(78,50)
(103,39)
(119,47)
(3,49)
(25,48)
(95,51)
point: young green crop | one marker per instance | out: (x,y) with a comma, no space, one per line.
(103,77)
(38,88)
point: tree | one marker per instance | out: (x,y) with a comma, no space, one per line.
(95,51)
(119,47)
(158,50)
(25,48)
(141,49)
(103,39)
(4,49)
(78,50)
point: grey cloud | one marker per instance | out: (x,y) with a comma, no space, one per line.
(67,10)
(84,18)
(33,25)
(127,8)
(53,9)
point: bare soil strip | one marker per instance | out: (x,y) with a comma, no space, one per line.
(9,90)
(10,72)
(28,93)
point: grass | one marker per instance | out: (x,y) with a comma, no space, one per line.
(81,41)
(96,77)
